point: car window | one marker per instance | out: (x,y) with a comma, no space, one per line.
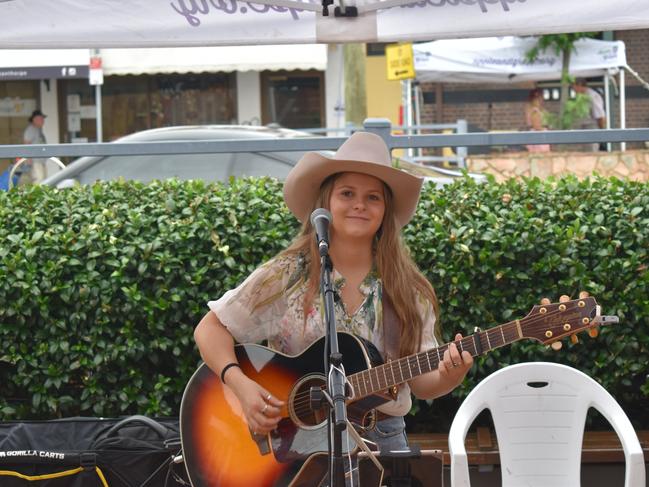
(209,167)
(260,164)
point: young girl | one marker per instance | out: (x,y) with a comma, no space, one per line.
(370,202)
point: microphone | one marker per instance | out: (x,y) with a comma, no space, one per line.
(320,219)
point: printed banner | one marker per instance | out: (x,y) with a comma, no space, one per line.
(159,23)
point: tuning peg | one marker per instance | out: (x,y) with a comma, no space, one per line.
(593,332)
(556,346)
(574,339)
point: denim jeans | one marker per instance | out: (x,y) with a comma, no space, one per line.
(389,434)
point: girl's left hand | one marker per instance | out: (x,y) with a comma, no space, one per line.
(455,365)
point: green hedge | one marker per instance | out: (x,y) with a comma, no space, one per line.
(101,286)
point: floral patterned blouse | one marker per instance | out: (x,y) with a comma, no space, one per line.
(269,305)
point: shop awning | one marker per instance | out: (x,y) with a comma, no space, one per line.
(214,59)
(22,64)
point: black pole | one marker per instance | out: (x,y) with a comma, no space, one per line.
(336,377)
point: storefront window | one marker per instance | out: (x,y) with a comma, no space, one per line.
(293,99)
(134,103)
(17,101)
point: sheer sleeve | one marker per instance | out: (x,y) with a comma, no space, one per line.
(253,310)
(429,321)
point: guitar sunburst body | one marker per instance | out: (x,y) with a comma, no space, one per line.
(219,449)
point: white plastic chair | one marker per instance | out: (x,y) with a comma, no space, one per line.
(539,413)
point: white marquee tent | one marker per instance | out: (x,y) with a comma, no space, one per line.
(504,60)
(165,23)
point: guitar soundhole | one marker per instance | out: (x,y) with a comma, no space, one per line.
(300,408)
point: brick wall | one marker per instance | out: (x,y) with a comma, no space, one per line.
(637,55)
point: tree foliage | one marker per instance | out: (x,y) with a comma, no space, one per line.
(570,111)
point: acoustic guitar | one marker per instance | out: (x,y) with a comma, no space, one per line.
(220,450)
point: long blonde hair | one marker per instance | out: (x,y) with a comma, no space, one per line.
(401,278)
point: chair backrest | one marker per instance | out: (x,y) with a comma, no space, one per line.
(539,412)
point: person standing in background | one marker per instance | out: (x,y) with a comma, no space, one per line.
(34,135)
(597,114)
(534,118)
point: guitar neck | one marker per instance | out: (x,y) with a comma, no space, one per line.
(383,377)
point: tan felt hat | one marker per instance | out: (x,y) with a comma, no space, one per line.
(364,153)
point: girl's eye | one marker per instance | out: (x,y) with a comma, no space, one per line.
(375,197)
(346,192)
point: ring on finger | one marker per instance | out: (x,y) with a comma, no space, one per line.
(269,397)
(454,364)
(263,411)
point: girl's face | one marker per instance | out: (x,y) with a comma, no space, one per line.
(357,205)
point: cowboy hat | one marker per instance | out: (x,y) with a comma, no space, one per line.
(364,153)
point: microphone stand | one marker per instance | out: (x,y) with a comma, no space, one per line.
(336,379)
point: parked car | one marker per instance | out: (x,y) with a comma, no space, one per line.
(208,167)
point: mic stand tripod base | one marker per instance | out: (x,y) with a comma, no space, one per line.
(315,470)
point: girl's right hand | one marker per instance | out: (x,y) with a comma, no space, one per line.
(261,409)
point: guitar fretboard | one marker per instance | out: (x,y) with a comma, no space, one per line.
(383,377)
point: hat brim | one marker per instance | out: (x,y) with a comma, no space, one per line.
(303,183)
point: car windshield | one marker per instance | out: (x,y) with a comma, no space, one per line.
(208,167)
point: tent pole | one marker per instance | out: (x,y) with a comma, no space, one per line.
(407,85)
(100,130)
(607,100)
(418,104)
(622,107)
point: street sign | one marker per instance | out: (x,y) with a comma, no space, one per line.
(400,61)
(96,73)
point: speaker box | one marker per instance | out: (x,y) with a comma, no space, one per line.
(410,468)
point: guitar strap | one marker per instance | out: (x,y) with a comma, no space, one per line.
(391,329)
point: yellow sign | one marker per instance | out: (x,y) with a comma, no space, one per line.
(400,61)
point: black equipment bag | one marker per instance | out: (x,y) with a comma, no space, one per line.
(136,451)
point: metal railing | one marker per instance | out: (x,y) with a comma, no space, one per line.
(382,127)
(459,127)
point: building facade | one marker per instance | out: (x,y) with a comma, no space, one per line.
(149,88)
(498,107)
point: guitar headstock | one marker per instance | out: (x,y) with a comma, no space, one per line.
(549,323)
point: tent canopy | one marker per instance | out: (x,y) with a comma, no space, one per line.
(503,60)
(167,23)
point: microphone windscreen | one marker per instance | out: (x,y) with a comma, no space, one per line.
(319,213)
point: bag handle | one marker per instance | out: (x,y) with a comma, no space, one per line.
(137,418)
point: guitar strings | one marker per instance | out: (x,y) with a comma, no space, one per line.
(302,399)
